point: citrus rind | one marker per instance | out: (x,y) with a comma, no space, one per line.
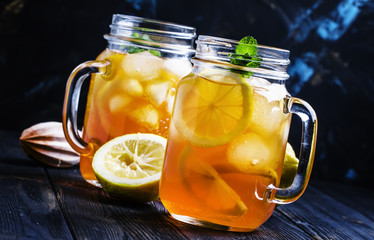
(125,182)
(212,128)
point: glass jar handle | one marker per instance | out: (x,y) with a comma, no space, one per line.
(71,101)
(306,157)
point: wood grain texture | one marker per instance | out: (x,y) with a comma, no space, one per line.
(91,213)
(40,202)
(28,206)
(325,217)
(356,197)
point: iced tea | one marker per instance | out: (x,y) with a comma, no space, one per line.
(223,181)
(132,85)
(136,95)
(228,136)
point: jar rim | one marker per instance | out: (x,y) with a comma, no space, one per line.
(272,62)
(121,21)
(127,32)
(226,41)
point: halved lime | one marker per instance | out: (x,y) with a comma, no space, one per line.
(129,167)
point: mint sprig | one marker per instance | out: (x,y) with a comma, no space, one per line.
(246,55)
(132,49)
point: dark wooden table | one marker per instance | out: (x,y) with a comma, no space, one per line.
(39,202)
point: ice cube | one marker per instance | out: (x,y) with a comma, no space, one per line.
(258,82)
(133,87)
(267,115)
(157,92)
(118,103)
(249,153)
(178,66)
(144,66)
(272,91)
(170,100)
(276,92)
(146,116)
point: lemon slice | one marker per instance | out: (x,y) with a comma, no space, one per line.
(290,166)
(129,167)
(207,187)
(211,113)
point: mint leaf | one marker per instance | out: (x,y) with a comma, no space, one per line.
(154,52)
(135,35)
(245,74)
(247,46)
(237,59)
(246,55)
(254,63)
(132,49)
(145,37)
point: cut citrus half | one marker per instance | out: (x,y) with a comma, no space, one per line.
(129,167)
(290,166)
(207,187)
(211,113)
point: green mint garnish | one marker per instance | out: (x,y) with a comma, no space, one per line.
(245,74)
(154,52)
(247,46)
(132,49)
(246,55)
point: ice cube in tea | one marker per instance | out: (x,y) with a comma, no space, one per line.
(135,96)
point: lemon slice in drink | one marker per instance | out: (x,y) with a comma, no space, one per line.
(207,187)
(211,113)
(129,167)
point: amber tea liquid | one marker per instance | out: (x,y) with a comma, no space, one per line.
(135,96)
(225,184)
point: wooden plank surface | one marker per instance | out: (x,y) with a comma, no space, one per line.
(28,206)
(39,202)
(91,213)
(359,198)
(325,217)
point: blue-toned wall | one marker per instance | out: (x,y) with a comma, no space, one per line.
(331,44)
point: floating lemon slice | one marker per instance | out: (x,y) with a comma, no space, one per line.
(212,113)
(129,167)
(208,188)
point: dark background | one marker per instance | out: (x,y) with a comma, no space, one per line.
(332,56)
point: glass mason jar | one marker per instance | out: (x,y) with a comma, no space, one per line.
(132,87)
(228,136)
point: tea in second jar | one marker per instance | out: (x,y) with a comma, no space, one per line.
(227,140)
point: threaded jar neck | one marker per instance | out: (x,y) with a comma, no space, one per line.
(127,30)
(272,61)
